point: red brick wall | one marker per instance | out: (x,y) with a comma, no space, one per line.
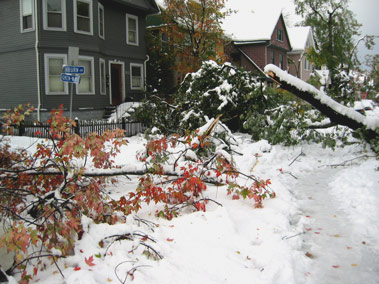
(256,53)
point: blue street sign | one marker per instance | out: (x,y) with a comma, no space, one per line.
(73,69)
(70,78)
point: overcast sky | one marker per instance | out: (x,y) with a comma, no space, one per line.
(366,11)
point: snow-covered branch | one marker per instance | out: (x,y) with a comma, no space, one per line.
(337,113)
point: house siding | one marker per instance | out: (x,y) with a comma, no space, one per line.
(17,59)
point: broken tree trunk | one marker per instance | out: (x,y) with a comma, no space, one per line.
(336,112)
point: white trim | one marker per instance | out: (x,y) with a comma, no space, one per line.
(90,17)
(131,76)
(45,19)
(129,16)
(103,81)
(22,17)
(101,11)
(91,59)
(47,56)
(122,77)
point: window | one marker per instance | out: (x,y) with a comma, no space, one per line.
(272,57)
(53,70)
(103,83)
(83,16)
(279,35)
(27,15)
(136,71)
(131,29)
(307,64)
(281,62)
(86,85)
(101,21)
(54,15)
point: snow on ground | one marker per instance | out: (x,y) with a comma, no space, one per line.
(321,228)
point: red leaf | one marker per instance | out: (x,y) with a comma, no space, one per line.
(169,240)
(77,268)
(35,271)
(336,266)
(89,261)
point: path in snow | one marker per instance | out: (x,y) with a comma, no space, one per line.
(339,253)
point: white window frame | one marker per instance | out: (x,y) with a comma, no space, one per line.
(90,16)
(103,80)
(47,56)
(101,25)
(131,76)
(281,61)
(307,64)
(22,17)
(129,16)
(45,18)
(91,59)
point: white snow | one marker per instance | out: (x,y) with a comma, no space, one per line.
(371,122)
(321,228)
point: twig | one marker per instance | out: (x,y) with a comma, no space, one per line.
(301,154)
(290,237)
(347,161)
(37,256)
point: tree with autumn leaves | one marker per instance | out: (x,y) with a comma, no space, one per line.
(194,30)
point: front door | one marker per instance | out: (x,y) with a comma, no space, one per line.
(116,82)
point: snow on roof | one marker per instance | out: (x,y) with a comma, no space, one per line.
(298,37)
(251,25)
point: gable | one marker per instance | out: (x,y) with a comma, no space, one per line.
(301,38)
(279,36)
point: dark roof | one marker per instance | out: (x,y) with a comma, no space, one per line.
(148,6)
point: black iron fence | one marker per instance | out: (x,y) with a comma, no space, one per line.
(82,128)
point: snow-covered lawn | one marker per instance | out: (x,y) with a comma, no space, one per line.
(321,228)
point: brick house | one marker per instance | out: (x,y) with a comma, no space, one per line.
(36,36)
(264,43)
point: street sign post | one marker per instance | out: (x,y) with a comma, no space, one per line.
(75,79)
(73,69)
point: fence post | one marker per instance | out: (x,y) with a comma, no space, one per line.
(123,124)
(21,128)
(77,127)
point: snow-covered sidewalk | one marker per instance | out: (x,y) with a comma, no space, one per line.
(341,236)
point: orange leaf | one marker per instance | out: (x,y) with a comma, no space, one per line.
(169,240)
(89,261)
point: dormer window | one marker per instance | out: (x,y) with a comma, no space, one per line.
(54,15)
(27,15)
(131,29)
(279,35)
(83,19)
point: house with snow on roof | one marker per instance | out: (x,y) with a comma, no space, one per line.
(262,39)
(301,39)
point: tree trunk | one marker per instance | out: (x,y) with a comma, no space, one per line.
(335,117)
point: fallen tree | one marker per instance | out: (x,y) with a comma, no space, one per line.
(336,112)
